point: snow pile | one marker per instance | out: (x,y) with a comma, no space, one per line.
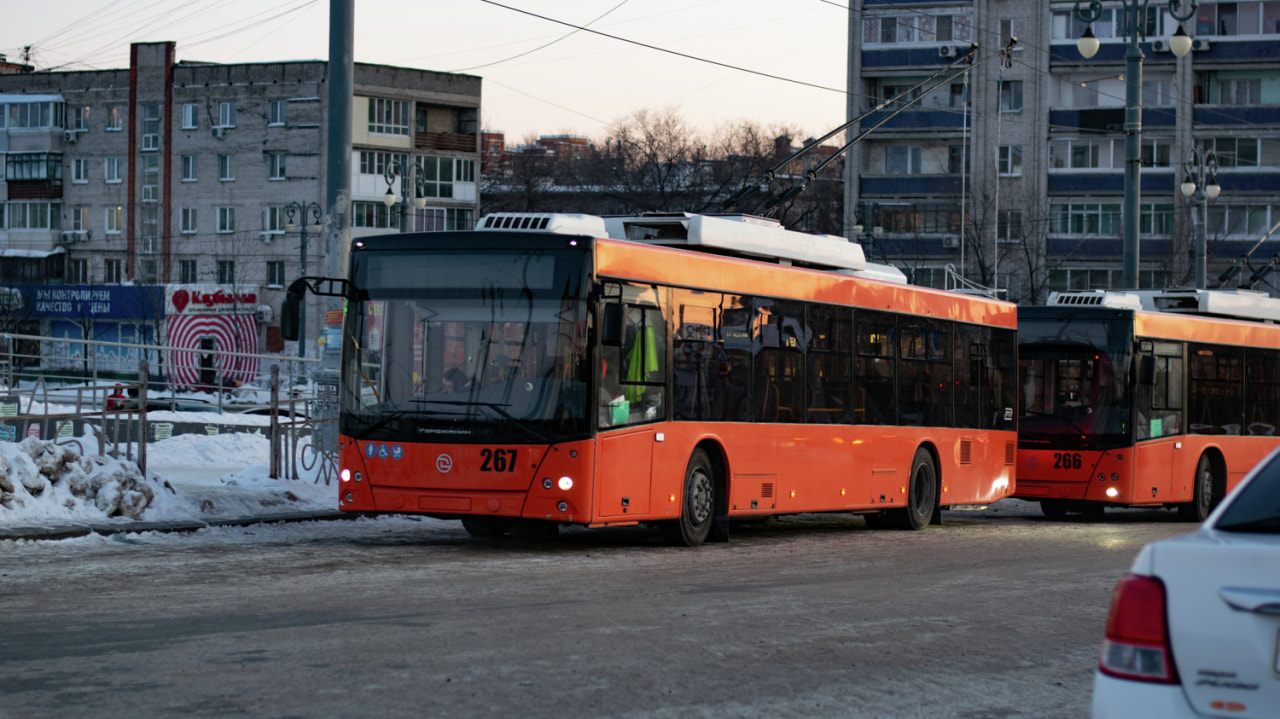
(190,478)
(43,480)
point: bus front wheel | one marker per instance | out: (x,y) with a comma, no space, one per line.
(1202,497)
(922,493)
(698,505)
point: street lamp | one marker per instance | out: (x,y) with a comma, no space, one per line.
(396,169)
(1201,167)
(1133,25)
(303,211)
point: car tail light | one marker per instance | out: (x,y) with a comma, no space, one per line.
(1137,643)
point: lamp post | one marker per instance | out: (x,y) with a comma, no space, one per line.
(1201,167)
(303,210)
(1133,25)
(396,169)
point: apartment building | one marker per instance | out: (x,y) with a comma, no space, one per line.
(210,177)
(1014,170)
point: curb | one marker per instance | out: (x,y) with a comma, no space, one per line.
(69,531)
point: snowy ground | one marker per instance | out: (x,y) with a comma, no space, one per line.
(190,477)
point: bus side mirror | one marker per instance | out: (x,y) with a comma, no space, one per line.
(1147,370)
(614,321)
(289,319)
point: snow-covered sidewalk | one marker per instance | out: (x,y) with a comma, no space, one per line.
(49,489)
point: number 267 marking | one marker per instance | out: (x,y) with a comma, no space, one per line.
(498,460)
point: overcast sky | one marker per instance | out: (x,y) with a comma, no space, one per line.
(540,77)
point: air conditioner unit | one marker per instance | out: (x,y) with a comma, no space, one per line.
(948,51)
(265,314)
(1200,44)
(1160,45)
(70,135)
(68,237)
(266,237)
(219,131)
(951,242)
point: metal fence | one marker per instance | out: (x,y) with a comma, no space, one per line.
(41,397)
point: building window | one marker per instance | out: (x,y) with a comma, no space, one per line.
(187,272)
(80,118)
(226,220)
(376,163)
(275,112)
(439,174)
(80,218)
(226,168)
(115,118)
(1010,29)
(388,117)
(188,168)
(1085,219)
(370,214)
(916,28)
(441,219)
(1156,151)
(1009,163)
(1084,154)
(275,273)
(111,166)
(274,219)
(226,272)
(1009,226)
(226,114)
(22,215)
(80,170)
(78,272)
(150,178)
(902,160)
(1155,219)
(35,114)
(190,116)
(114,221)
(958,159)
(1244,151)
(1011,96)
(33,166)
(188,220)
(1240,92)
(275,165)
(150,127)
(111,272)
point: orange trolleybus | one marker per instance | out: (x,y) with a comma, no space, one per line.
(1145,398)
(569,369)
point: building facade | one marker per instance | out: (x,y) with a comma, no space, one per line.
(1013,171)
(211,177)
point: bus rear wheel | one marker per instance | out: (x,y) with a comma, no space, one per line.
(1202,497)
(922,493)
(486,527)
(698,505)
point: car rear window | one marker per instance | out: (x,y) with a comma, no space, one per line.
(1256,508)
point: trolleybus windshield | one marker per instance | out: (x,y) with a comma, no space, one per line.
(1073,373)
(462,346)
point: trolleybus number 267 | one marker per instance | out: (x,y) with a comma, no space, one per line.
(498,460)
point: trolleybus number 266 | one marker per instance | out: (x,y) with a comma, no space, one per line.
(1066,460)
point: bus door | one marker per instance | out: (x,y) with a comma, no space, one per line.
(1160,427)
(633,351)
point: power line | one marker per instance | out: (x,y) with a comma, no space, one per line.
(665,50)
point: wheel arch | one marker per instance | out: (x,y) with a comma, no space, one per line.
(720,463)
(1218,462)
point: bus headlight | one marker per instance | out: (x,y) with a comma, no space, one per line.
(565,484)
(346,475)
(546,483)
(1115,476)
(563,506)
(1112,492)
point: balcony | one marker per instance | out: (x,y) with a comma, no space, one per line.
(1091,182)
(1111,119)
(939,119)
(35,189)
(451,141)
(890,186)
(1235,115)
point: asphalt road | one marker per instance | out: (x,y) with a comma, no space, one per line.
(992,614)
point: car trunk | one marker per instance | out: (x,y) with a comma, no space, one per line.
(1223,594)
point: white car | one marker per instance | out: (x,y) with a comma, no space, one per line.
(1194,628)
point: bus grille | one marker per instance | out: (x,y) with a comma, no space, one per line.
(966,452)
(766,490)
(1010,453)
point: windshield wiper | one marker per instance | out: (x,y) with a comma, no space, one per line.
(498,409)
(388,419)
